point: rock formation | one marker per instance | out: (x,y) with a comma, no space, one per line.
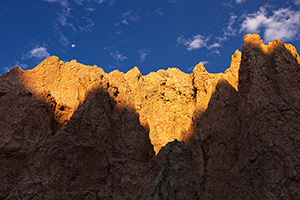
(70,131)
(167,101)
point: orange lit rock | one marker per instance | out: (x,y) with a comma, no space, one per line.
(63,85)
(166,101)
(243,128)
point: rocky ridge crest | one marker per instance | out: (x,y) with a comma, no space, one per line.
(167,101)
(92,143)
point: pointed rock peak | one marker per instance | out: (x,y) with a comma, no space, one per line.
(51,60)
(115,72)
(51,63)
(133,73)
(253,40)
(16,70)
(237,54)
(256,41)
(293,51)
(74,61)
(235,61)
(273,45)
(199,68)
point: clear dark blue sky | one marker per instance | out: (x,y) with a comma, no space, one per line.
(150,34)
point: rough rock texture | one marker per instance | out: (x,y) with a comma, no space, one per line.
(100,153)
(250,140)
(25,122)
(215,140)
(241,130)
(63,86)
(269,108)
(167,101)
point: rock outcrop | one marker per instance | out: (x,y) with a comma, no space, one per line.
(70,131)
(25,122)
(167,101)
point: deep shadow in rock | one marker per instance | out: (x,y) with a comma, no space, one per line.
(269,110)
(102,152)
(214,140)
(25,123)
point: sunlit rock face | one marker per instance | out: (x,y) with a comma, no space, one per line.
(70,131)
(63,86)
(167,101)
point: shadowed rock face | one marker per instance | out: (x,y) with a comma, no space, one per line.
(70,131)
(269,110)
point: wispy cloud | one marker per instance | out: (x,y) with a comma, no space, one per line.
(118,32)
(297,2)
(6,69)
(240,1)
(283,24)
(129,17)
(173,1)
(88,26)
(17,63)
(64,13)
(229,30)
(82,2)
(159,11)
(204,62)
(21,65)
(63,3)
(63,39)
(67,20)
(38,53)
(143,54)
(196,42)
(199,41)
(117,56)
(213,46)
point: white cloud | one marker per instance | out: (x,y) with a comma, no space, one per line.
(240,1)
(129,17)
(297,2)
(38,52)
(204,62)
(143,53)
(229,30)
(283,24)
(214,45)
(196,42)
(117,56)
(199,41)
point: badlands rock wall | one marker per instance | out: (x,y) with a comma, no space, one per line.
(167,101)
(101,139)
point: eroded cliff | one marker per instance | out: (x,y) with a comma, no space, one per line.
(167,101)
(70,131)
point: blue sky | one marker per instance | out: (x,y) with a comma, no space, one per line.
(150,34)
